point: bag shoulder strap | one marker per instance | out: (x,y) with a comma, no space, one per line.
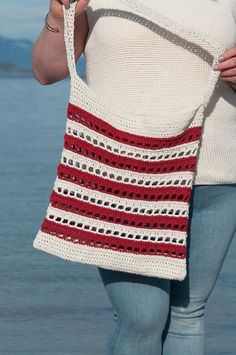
(166,23)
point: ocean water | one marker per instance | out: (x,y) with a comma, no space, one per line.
(49,305)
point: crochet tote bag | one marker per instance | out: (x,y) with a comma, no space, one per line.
(121,197)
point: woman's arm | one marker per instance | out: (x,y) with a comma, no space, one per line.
(49,62)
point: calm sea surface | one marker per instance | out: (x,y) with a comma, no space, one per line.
(48,305)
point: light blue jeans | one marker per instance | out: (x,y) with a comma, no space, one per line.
(154,316)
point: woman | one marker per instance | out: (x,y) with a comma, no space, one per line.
(157,315)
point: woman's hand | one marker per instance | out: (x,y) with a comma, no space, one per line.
(56,10)
(227,65)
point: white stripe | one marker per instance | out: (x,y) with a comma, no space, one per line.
(139,207)
(112,229)
(76,129)
(86,164)
(148,265)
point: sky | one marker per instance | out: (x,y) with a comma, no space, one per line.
(22,18)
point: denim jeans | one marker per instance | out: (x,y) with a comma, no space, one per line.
(154,316)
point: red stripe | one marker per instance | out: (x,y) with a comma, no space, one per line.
(97,183)
(96,124)
(83,148)
(85,208)
(114,243)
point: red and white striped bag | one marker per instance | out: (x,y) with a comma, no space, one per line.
(121,198)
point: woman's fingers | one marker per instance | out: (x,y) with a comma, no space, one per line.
(228,69)
(56,7)
(229,52)
(66,3)
(230,79)
(81,4)
(227,64)
(229,59)
(228,72)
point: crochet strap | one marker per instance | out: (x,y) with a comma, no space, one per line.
(168,24)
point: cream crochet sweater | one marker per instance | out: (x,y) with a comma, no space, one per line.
(126,66)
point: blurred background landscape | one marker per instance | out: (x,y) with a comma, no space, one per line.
(48,305)
(15,58)
(20,24)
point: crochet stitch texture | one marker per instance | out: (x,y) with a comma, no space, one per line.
(122,192)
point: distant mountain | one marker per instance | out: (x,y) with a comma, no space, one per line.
(16,56)
(16,52)
(11,69)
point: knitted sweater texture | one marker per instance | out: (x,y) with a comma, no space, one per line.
(127,67)
(122,192)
